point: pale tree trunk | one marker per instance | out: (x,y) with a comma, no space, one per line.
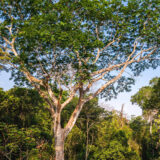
(60,133)
(150,128)
(86,156)
(59,144)
(58,136)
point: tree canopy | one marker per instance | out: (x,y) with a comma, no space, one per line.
(89,38)
(148,97)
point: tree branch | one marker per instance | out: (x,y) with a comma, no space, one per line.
(31,78)
(79,60)
(100,50)
(75,113)
(128,61)
(76,87)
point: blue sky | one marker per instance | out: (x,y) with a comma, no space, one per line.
(123,98)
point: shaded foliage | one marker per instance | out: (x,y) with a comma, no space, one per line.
(25,131)
(24,125)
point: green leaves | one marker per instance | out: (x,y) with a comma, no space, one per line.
(148,97)
(25,130)
(114,141)
(147,133)
(50,33)
(24,124)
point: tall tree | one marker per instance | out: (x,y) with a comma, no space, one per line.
(74,45)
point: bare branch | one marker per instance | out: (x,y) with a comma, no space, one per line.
(13,49)
(95,80)
(53,97)
(100,50)
(6,40)
(11,44)
(75,114)
(117,65)
(76,87)
(110,43)
(107,84)
(98,53)
(25,71)
(44,95)
(31,78)
(79,60)
(97,32)
(128,61)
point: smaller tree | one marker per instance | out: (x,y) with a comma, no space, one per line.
(90,116)
(148,98)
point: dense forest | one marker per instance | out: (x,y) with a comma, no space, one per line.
(25,128)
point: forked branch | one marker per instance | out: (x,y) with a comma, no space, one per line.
(125,64)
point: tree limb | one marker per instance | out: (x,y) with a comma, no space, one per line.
(76,87)
(128,61)
(75,114)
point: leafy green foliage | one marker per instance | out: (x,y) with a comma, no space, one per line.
(25,131)
(24,125)
(63,43)
(147,132)
(148,143)
(75,144)
(148,98)
(50,33)
(114,142)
